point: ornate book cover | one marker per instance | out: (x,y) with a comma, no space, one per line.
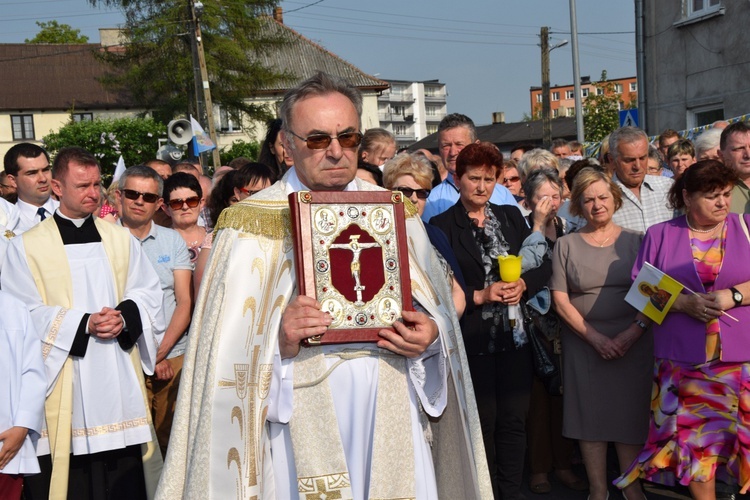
(351,255)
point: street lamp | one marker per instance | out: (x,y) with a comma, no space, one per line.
(546,119)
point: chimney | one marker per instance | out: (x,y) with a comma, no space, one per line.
(498,117)
(278,15)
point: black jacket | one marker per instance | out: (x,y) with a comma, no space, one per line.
(456,225)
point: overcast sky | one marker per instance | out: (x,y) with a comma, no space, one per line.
(485,51)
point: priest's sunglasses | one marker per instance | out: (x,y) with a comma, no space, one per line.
(422,194)
(346,140)
(132,194)
(191,202)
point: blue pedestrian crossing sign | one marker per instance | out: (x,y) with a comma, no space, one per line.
(629,118)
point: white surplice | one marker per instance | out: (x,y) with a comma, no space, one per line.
(22,382)
(109,411)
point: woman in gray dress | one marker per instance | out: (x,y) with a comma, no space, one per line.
(607,353)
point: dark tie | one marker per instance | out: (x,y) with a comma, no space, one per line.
(42,213)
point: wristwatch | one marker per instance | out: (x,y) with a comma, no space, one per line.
(736,296)
(643,326)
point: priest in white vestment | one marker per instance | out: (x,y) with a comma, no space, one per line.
(96,303)
(260,417)
(22,389)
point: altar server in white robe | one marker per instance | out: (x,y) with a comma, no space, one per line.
(96,303)
(22,388)
(260,417)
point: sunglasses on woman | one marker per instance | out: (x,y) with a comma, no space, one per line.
(191,202)
(422,194)
(131,194)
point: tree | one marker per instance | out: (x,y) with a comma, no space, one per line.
(601,111)
(136,139)
(156,64)
(239,148)
(53,32)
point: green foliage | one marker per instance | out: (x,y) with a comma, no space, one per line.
(136,139)
(53,32)
(240,148)
(600,112)
(156,66)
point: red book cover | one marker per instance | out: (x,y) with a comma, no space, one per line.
(351,255)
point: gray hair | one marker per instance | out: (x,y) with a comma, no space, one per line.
(536,158)
(654,153)
(317,85)
(454,120)
(624,135)
(538,177)
(142,172)
(707,140)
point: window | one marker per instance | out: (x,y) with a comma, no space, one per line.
(398,110)
(704,115)
(230,121)
(620,106)
(555,96)
(539,98)
(584,93)
(23,127)
(618,88)
(633,87)
(399,130)
(432,129)
(431,111)
(570,94)
(83,117)
(555,113)
(703,6)
(599,91)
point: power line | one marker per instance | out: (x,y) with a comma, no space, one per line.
(304,6)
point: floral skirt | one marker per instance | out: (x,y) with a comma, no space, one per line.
(700,425)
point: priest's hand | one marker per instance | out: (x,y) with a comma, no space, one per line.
(106,324)
(163,370)
(11,440)
(410,342)
(302,319)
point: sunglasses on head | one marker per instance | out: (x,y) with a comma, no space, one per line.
(422,194)
(131,194)
(322,141)
(191,202)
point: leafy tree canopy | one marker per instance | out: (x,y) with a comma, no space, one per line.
(239,148)
(53,32)
(136,139)
(156,65)
(600,111)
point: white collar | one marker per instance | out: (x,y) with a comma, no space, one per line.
(294,184)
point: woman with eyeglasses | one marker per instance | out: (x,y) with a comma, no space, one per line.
(183,200)
(412,175)
(497,346)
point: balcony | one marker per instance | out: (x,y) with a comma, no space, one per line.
(396,97)
(434,98)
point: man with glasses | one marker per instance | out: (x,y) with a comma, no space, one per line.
(455,132)
(96,302)
(140,195)
(28,166)
(338,421)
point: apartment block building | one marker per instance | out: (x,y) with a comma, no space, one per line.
(562,97)
(412,110)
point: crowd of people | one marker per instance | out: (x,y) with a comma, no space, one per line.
(152,345)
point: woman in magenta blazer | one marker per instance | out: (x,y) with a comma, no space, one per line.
(701,398)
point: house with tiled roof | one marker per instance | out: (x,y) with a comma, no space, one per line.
(44,84)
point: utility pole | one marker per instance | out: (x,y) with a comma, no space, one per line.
(546,119)
(576,71)
(196,9)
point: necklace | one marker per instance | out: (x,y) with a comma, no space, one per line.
(601,243)
(702,230)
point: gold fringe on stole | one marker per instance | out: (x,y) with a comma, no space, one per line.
(269,219)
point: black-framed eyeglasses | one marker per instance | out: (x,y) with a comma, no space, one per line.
(132,194)
(346,140)
(191,202)
(422,194)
